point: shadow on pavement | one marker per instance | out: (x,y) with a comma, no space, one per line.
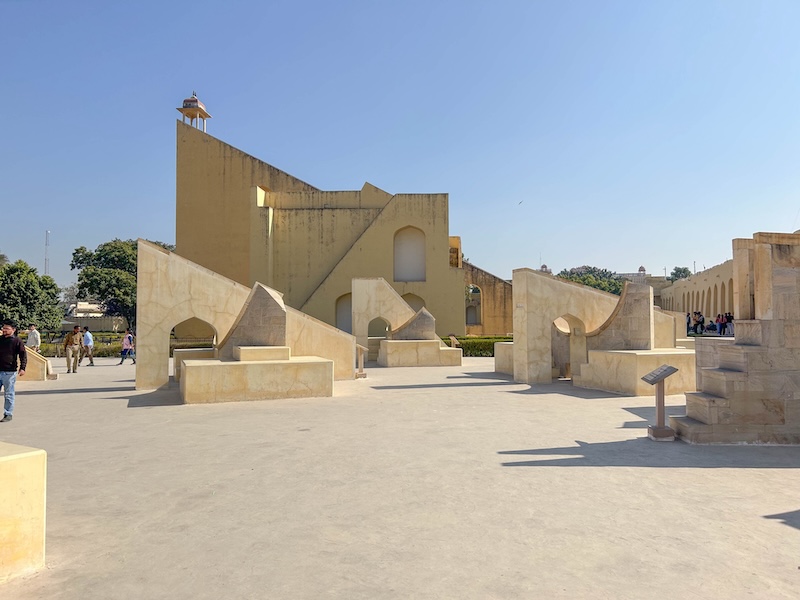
(792,519)
(643,452)
(648,415)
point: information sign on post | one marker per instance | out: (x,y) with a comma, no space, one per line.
(660,432)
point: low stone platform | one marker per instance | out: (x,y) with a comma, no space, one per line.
(621,371)
(204,381)
(417,353)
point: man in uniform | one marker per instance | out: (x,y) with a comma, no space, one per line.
(72,348)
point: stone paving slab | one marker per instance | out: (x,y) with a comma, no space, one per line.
(441,482)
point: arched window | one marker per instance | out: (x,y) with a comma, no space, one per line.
(344,313)
(409,255)
(723,307)
(473,318)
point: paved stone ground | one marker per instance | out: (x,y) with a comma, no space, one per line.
(426,483)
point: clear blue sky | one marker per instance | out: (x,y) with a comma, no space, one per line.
(609,133)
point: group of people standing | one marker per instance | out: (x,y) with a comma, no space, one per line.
(696,323)
(79,345)
(14,356)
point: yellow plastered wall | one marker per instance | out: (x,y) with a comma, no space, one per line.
(249,221)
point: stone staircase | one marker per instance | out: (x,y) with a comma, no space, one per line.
(750,393)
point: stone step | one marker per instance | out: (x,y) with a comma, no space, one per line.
(721,382)
(739,357)
(696,432)
(705,407)
(262,353)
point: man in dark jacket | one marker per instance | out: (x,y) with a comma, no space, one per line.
(12,353)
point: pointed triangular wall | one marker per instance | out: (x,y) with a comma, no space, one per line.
(261,322)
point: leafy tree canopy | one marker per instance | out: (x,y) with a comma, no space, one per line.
(27,297)
(108,274)
(602,279)
(679,273)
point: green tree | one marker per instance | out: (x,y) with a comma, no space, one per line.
(679,273)
(27,297)
(3,260)
(602,279)
(108,274)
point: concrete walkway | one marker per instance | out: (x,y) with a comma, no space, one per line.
(424,483)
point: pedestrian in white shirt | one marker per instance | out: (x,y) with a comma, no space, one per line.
(88,347)
(34,339)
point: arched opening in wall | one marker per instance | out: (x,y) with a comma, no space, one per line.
(344,313)
(414,301)
(193,331)
(723,306)
(568,343)
(684,307)
(701,308)
(472,298)
(715,308)
(195,339)
(377,331)
(409,254)
(709,309)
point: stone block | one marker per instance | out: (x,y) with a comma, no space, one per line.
(205,381)
(417,353)
(262,353)
(23,498)
(620,371)
(38,367)
(504,357)
(182,354)
(422,326)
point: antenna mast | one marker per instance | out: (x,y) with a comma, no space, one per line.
(47,252)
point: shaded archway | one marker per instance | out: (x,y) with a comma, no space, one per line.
(473,306)
(344,312)
(377,331)
(570,355)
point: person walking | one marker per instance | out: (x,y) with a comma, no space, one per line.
(72,348)
(34,340)
(128,348)
(88,347)
(13,361)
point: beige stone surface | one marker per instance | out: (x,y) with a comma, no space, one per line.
(262,353)
(417,353)
(751,385)
(448,483)
(38,367)
(422,326)
(23,501)
(261,322)
(373,297)
(621,371)
(181,354)
(252,222)
(172,289)
(585,320)
(504,357)
(205,381)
